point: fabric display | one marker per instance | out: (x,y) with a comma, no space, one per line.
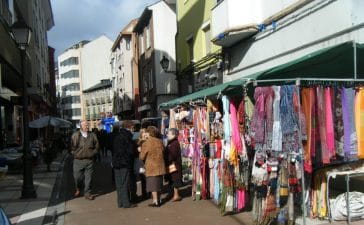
(256,150)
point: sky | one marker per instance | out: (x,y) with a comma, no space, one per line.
(77,20)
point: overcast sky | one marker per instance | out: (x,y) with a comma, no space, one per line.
(77,20)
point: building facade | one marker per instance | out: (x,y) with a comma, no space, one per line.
(199,60)
(156,30)
(98,102)
(257,35)
(81,67)
(70,82)
(124,67)
(39,17)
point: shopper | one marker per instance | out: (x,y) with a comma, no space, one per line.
(143,136)
(84,148)
(123,153)
(152,153)
(174,163)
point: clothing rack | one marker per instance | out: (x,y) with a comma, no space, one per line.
(298,83)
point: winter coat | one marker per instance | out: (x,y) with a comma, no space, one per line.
(123,149)
(173,155)
(84,148)
(152,154)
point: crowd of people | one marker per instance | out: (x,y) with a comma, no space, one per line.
(135,155)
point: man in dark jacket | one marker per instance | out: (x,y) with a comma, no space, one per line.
(123,161)
(84,147)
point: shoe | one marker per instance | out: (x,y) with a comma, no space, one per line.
(89,197)
(155,205)
(130,206)
(77,194)
(176,199)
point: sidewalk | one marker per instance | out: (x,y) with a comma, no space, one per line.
(29,211)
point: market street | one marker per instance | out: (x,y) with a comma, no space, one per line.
(103,209)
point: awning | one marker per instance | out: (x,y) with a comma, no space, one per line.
(215,90)
(336,62)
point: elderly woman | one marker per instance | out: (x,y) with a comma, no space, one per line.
(174,161)
(152,153)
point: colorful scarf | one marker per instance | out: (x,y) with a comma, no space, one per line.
(307,105)
(330,136)
(339,124)
(236,144)
(258,119)
(227,124)
(359,119)
(288,117)
(350,139)
(322,124)
(277,129)
(269,98)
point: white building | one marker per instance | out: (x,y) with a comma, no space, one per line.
(258,35)
(95,61)
(125,72)
(81,67)
(156,30)
(70,82)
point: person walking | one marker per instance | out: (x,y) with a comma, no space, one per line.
(84,148)
(174,163)
(143,136)
(152,153)
(123,153)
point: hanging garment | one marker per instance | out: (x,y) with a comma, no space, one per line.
(227,124)
(269,98)
(211,177)
(236,145)
(322,124)
(258,119)
(339,124)
(359,121)
(241,116)
(172,121)
(350,137)
(307,105)
(216,181)
(277,129)
(330,136)
(288,117)
(241,199)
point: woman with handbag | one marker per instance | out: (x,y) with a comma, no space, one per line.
(152,153)
(174,163)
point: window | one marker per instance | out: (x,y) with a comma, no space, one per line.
(127,44)
(141,44)
(71,99)
(72,87)
(207,32)
(148,36)
(70,74)
(70,61)
(190,49)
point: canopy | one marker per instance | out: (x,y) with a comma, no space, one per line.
(336,62)
(49,120)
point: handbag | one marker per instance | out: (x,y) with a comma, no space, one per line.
(138,167)
(172,168)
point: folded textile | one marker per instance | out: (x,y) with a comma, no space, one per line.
(339,208)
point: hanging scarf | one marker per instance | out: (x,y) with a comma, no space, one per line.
(236,144)
(288,118)
(322,124)
(277,129)
(359,119)
(216,181)
(172,121)
(307,105)
(339,124)
(241,116)
(227,124)
(330,136)
(258,119)
(350,139)
(269,94)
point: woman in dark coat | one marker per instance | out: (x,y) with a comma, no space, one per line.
(173,156)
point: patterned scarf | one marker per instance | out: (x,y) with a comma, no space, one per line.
(330,136)
(227,125)
(307,105)
(269,94)
(258,119)
(339,124)
(322,124)
(350,139)
(277,129)
(236,144)
(359,115)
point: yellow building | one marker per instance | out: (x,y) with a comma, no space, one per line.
(199,60)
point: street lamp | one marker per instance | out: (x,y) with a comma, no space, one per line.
(165,65)
(22,33)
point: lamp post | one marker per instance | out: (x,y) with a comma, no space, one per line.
(22,32)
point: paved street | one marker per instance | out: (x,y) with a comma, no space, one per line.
(103,209)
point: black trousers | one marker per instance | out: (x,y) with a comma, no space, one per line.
(122,179)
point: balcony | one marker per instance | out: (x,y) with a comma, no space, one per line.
(93,101)
(87,102)
(98,100)
(103,100)
(234,20)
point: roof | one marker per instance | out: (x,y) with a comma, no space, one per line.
(102,85)
(124,32)
(336,62)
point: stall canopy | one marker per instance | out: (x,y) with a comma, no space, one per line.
(339,61)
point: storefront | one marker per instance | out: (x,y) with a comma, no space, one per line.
(271,141)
